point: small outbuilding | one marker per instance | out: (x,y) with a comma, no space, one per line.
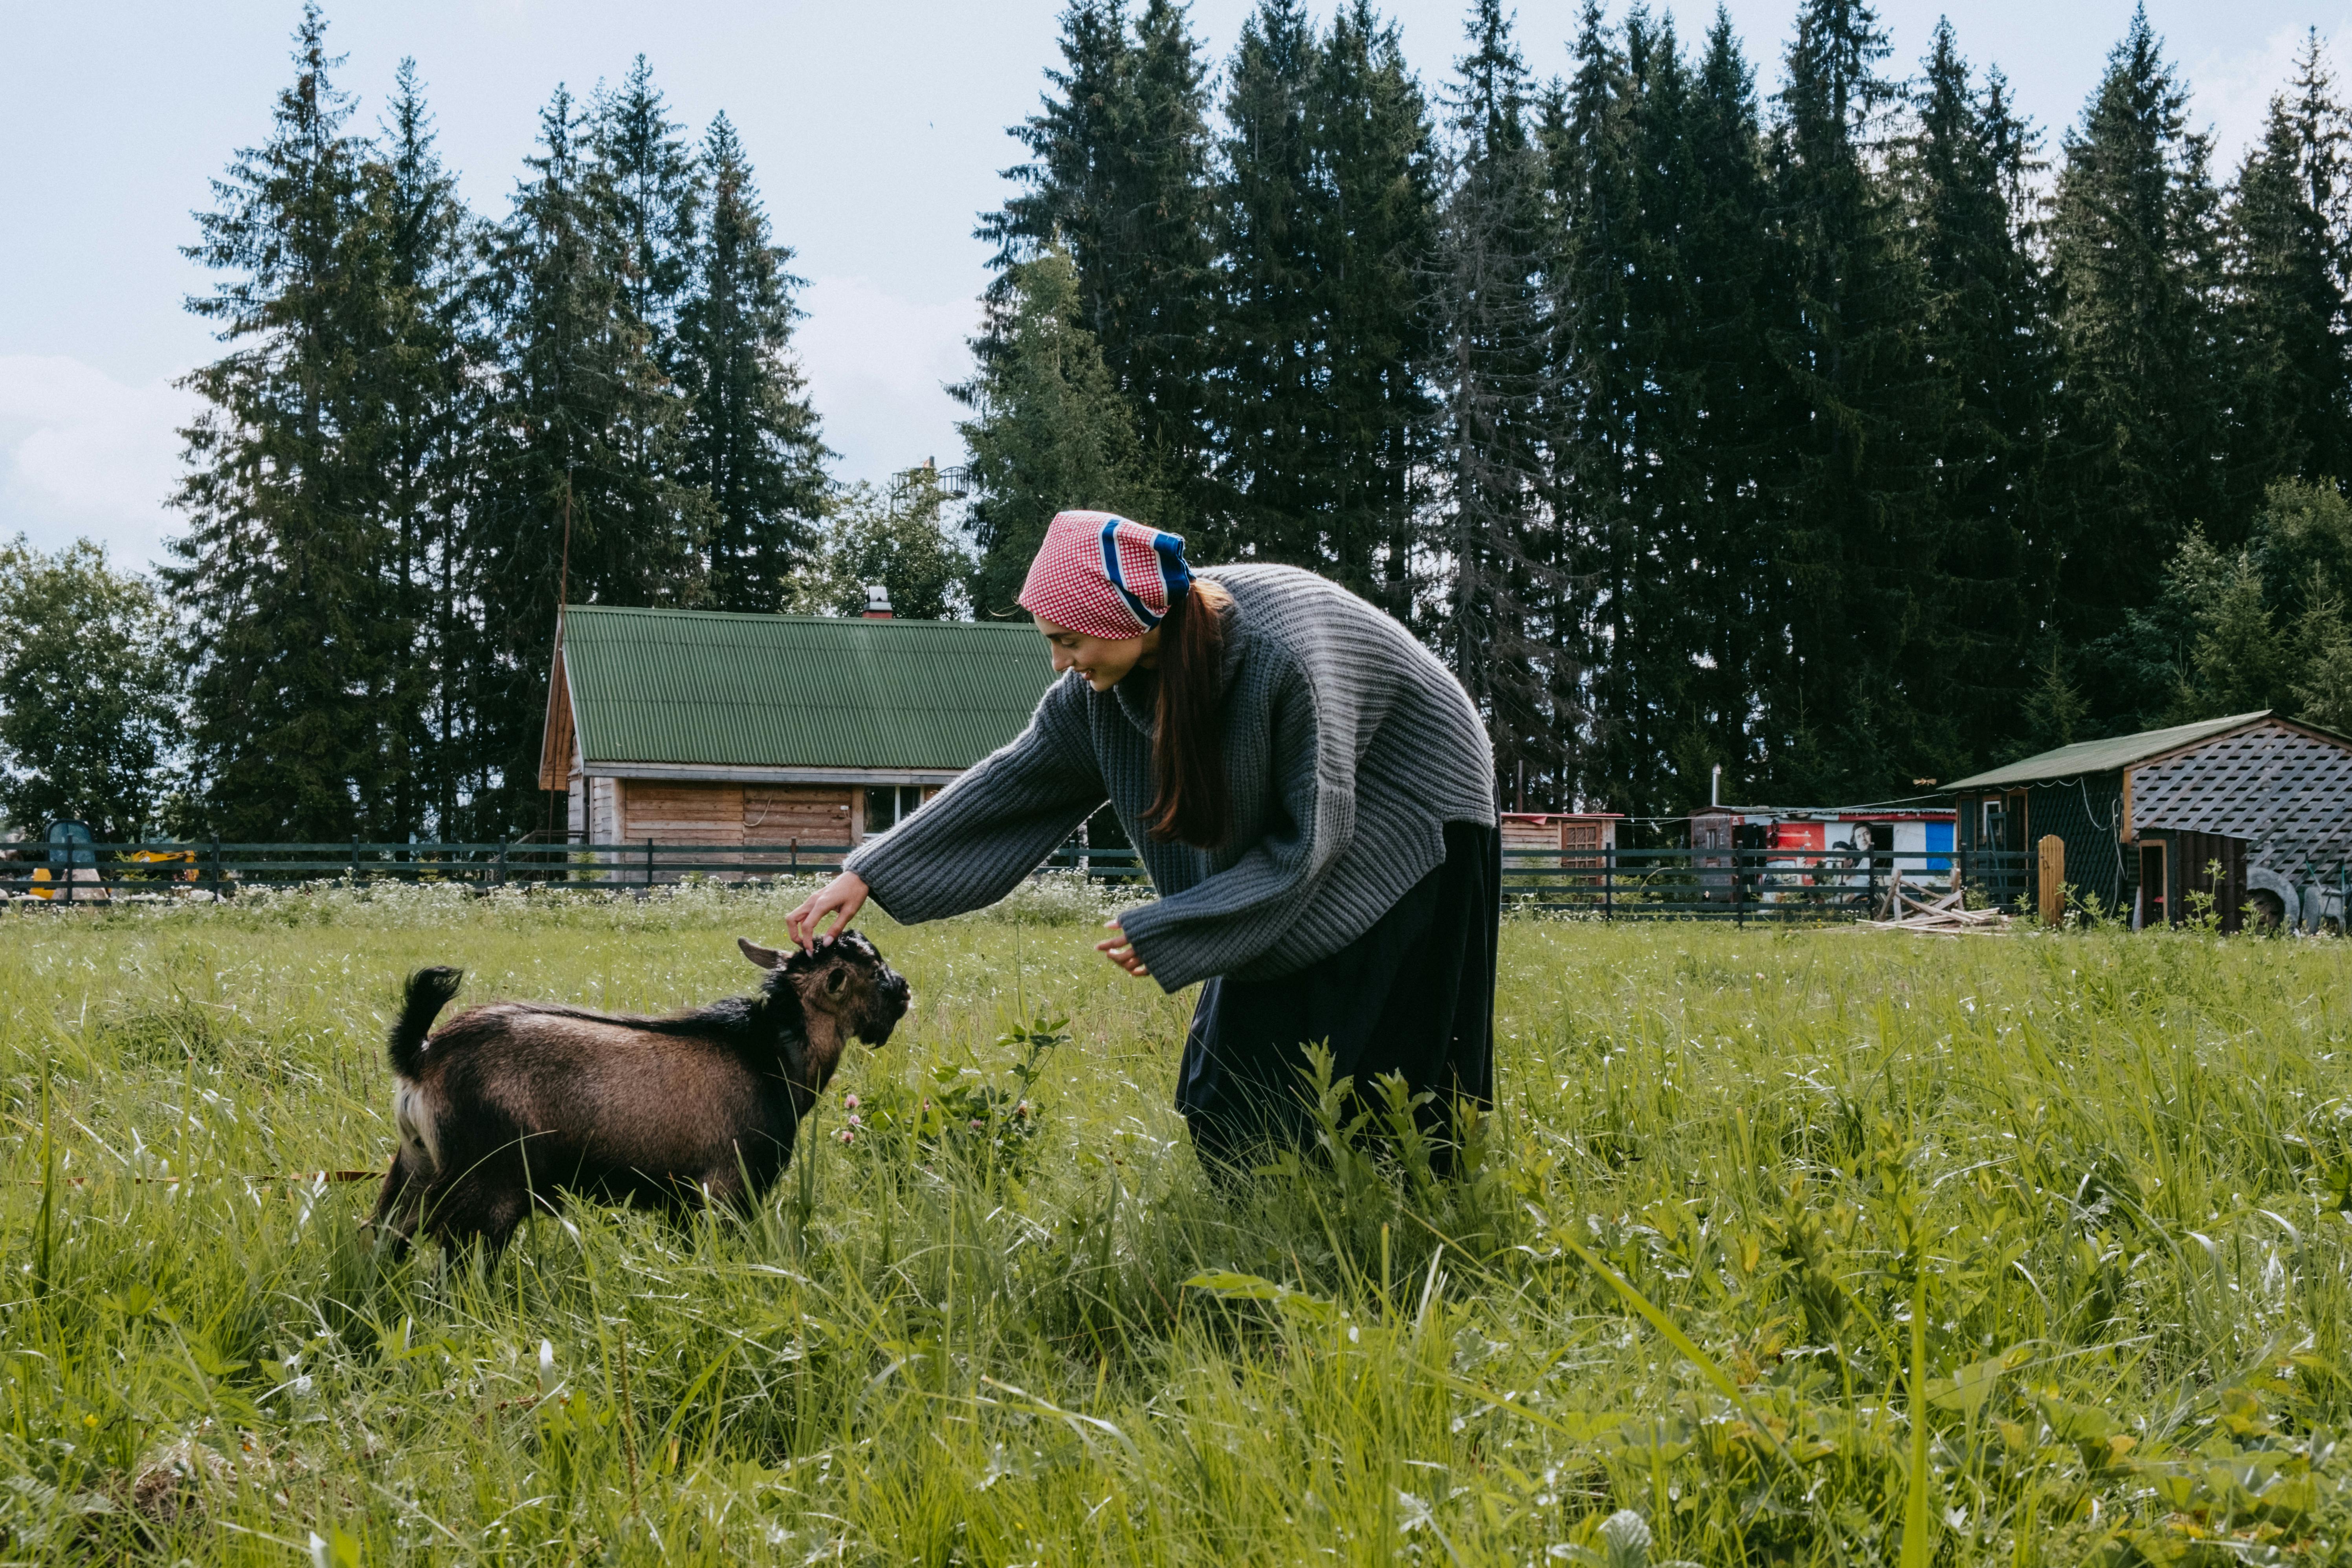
(2253,812)
(1557,838)
(710,729)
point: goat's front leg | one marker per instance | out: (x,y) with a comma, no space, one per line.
(395,1220)
(473,1209)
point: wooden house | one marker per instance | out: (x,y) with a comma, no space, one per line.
(2148,819)
(702,728)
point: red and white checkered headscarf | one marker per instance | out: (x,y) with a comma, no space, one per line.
(1105,576)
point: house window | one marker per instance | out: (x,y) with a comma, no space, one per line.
(886,806)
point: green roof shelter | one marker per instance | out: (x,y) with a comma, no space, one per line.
(700,727)
(2147,818)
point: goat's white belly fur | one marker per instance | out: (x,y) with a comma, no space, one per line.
(411,1116)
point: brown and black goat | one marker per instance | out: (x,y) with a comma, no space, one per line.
(519,1103)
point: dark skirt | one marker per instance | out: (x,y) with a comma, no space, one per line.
(1414,996)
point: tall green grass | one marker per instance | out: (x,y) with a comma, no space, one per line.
(1804,1246)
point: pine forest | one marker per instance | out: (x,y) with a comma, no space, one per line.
(1847,436)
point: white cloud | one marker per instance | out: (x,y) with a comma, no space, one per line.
(81,453)
(877,365)
(2233,89)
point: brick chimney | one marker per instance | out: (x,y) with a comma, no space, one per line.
(878,603)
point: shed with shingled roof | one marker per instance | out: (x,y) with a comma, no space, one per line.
(705,728)
(2148,818)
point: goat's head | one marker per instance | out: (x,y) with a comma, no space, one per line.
(843,977)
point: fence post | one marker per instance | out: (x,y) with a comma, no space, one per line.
(355,859)
(1609,881)
(503,860)
(1738,891)
(217,868)
(649,864)
(2052,871)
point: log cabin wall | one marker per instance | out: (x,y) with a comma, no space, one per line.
(697,811)
(721,815)
(810,814)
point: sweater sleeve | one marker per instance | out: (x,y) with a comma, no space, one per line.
(971,844)
(1231,916)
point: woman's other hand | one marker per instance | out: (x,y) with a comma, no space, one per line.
(1120,950)
(845,894)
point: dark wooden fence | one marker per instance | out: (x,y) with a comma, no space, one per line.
(1738,885)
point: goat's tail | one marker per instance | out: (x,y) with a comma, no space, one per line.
(429,991)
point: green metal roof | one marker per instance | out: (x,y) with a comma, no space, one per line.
(817,691)
(2105,756)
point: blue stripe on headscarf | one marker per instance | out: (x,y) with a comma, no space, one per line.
(1175,575)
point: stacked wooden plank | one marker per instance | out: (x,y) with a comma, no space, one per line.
(1946,915)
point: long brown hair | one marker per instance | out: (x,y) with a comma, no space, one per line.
(1194,802)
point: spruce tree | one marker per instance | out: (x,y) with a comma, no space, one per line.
(1049,432)
(1737,399)
(2302,544)
(1064,193)
(579,501)
(2053,711)
(2322,691)
(1606,354)
(2302,539)
(2237,664)
(648,182)
(1376,161)
(642,176)
(1967,171)
(2136,253)
(752,445)
(1272,212)
(1852,539)
(2289,270)
(1155,335)
(1119,174)
(1496,386)
(425,365)
(280,572)
(2264,626)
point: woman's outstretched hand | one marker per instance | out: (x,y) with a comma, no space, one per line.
(1120,950)
(845,895)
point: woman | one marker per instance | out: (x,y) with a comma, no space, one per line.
(1315,799)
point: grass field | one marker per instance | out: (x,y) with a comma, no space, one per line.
(1803,1247)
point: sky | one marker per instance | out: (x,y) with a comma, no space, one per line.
(876,129)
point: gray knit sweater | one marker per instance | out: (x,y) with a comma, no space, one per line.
(1348,748)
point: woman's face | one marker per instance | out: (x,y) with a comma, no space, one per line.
(1104,662)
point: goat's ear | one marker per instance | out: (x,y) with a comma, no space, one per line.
(835,981)
(765,957)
